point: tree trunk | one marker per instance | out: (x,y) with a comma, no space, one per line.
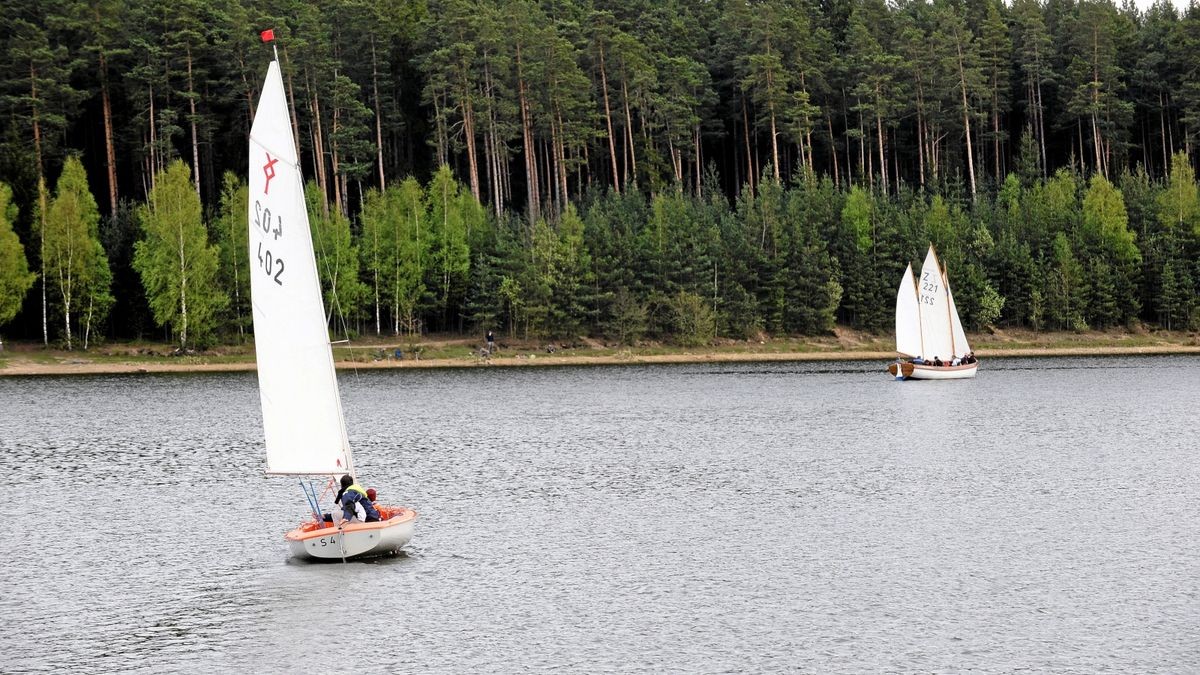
(750,176)
(962,80)
(629,133)
(153,166)
(375,279)
(1041,126)
(883,174)
(339,200)
(921,133)
(562,159)
(612,148)
(863,157)
(499,162)
(1097,138)
(469,135)
(849,151)
(774,144)
(378,145)
(183,279)
(42,206)
(532,195)
(110,157)
(996,133)
(833,151)
(195,137)
(318,146)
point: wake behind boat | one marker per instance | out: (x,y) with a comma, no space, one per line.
(303,424)
(928,329)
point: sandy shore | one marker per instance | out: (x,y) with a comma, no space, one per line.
(18,365)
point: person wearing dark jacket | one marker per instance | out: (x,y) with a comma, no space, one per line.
(352,496)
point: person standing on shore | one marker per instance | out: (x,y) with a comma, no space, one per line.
(491,342)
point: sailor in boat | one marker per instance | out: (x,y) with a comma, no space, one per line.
(352,497)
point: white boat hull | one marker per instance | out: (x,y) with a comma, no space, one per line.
(321,541)
(927,372)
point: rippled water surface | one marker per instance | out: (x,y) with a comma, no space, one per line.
(802,517)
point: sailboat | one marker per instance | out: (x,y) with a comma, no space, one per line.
(303,424)
(928,328)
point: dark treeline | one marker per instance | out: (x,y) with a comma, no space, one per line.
(635,168)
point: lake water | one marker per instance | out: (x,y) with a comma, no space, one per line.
(700,518)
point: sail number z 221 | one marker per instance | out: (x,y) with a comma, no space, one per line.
(928,287)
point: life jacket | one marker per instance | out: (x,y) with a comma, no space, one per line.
(355,494)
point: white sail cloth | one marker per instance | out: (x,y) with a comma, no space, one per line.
(301,408)
(927,323)
(908,316)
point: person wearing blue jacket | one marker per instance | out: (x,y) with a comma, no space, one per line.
(351,497)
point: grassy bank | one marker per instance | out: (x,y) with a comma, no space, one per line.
(467,351)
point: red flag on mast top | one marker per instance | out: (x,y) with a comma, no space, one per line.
(268,35)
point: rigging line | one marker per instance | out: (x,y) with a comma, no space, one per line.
(310,494)
(331,266)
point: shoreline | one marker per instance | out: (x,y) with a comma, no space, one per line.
(13,366)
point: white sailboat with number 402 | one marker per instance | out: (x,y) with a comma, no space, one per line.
(301,407)
(928,328)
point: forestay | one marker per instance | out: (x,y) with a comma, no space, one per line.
(301,408)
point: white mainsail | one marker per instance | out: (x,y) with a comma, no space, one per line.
(301,408)
(957,333)
(908,316)
(935,311)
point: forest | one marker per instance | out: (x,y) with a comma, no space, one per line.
(677,170)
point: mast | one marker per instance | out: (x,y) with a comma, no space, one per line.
(920,323)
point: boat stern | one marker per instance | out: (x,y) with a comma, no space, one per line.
(901,370)
(324,541)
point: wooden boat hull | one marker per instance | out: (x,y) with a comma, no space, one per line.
(924,371)
(323,541)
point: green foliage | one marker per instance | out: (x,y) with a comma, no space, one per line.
(694,319)
(1179,203)
(179,268)
(337,261)
(15,277)
(1114,258)
(1067,287)
(72,256)
(231,236)
(451,217)
(629,319)
(565,167)
(856,217)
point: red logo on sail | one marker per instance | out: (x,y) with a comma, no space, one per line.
(269,172)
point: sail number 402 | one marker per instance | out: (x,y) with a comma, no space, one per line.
(270,264)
